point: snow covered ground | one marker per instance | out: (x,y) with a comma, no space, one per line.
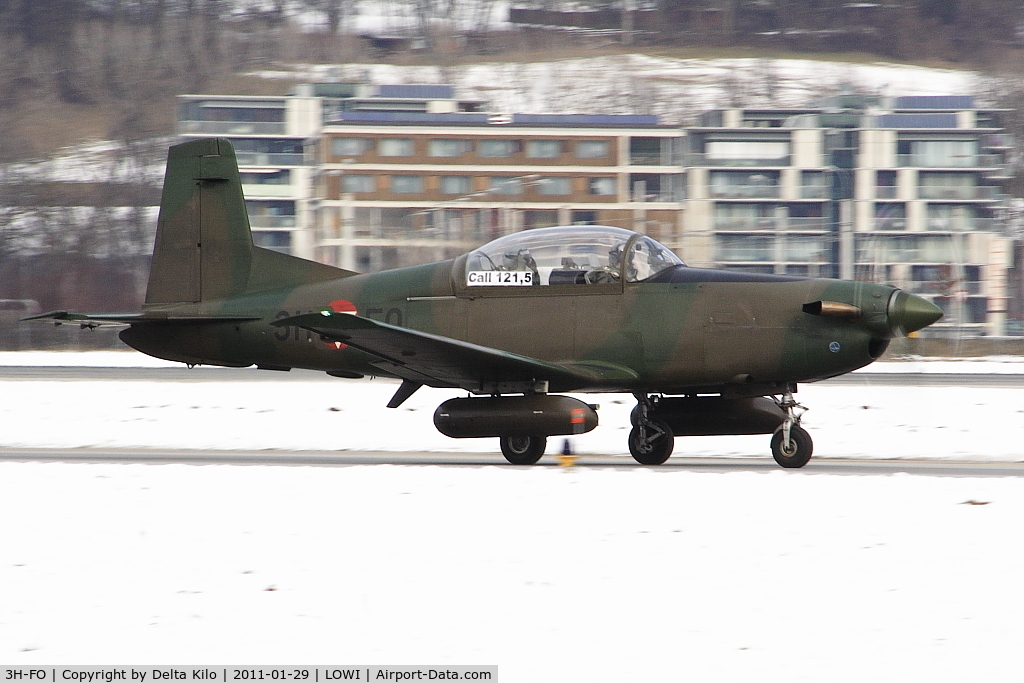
(345,415)
(552,574)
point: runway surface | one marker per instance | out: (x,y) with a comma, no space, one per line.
(215,374)
(932,468)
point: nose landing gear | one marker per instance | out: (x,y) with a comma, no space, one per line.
(791,444)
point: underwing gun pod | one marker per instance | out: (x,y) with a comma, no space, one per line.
(517,324)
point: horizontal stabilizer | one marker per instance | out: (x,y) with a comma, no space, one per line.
(435,360)
(121,319)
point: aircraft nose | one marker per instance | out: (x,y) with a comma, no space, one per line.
(908,313)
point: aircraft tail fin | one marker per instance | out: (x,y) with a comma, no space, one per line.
(204,248)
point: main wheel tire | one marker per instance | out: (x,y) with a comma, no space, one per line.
(800,448)
(655,452)
(523,450)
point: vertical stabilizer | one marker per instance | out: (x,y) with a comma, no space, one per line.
(203,247)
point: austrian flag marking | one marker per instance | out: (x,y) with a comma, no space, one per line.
(341,306)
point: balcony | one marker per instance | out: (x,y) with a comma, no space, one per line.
(993,161)
(648,159)
(744,191)
(890,224)
(231,128)
(697,159)
(885,192)
(957,192)
(963,224)
(271,222)
(744,249)
(269,190)
(805,224)
(944,288)
(748,224)
(269,159)
(814,192)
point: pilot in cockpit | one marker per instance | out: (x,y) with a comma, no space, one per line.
(521,260)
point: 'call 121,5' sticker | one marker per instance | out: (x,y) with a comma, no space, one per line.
(499,278)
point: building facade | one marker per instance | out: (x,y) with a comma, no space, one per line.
(397,189)
(904,191)
(270,135)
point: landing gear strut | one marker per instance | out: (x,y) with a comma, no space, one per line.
(651,440)
(791,444)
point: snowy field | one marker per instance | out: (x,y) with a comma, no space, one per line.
(964,423)
(576,574)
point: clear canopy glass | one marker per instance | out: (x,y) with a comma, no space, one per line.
(587,254)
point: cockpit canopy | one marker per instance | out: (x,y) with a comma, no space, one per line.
(585,254)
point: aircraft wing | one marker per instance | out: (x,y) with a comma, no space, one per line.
(437,361)
(86,320)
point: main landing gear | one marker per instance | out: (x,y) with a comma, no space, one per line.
(791,444)
(523,450)
(651,440)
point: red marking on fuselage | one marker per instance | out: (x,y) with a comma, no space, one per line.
(341,306)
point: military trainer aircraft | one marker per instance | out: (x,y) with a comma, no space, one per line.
(514,323)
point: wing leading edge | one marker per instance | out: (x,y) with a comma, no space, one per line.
(423,358)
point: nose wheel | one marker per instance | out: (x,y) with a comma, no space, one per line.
(791,444)
(651,440)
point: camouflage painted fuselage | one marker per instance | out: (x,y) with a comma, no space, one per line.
(709,330)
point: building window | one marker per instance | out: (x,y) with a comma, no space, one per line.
(744,248)
(950,186)
(406,184)
(938,153)
(890,216)
(394,147)
(358,183)
(543,149)
(276,178)
(743,184)
(885,185)
(554,186)
(270,213)
(497,148)
(592,149)
(601,186)
(814,185)
(350,147)
(951,217)
(745,216)
(454,184)
(276,240)
(540,219)
(505,186)
(449,148)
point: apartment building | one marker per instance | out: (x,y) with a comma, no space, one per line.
(903,190)
(270,133)
(403,188)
